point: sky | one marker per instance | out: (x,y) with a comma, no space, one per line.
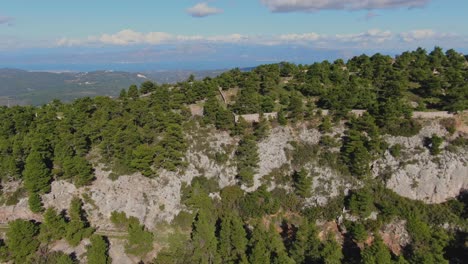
(193,34)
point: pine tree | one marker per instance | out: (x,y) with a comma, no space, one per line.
(79,169)
(210,109)
(140,241)
(77,228)
(279,254)
(21,240)
(282,119)
(248,102)
(361,202)
(305,248)
(53,227)
(35,203)
(377,253)
(240,127)
(331,251)
(142,160)
(355,154)
(302,183)
(133,92)
(232,239)
(261,128)
(296,107)
(204,240)
(247,160)
(147,87)
(123,94)
(36,174)
(97,252)
(171,149)
(259,252)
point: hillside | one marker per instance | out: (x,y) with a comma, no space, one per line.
(356,162)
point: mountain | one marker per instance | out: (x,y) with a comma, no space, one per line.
(19,87)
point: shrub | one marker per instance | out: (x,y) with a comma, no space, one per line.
(395,150)
(433,144)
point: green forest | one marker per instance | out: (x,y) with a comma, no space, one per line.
(144,130)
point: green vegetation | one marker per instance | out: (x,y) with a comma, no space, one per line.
(78,227)
(22,240)
(139,240)
(247,159)
(275,223)
(434,143)
(97,252)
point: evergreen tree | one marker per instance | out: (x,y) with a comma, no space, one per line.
(259,252)
(147,87)
(53,227)
(140,241)
(361,202)
(331,251)
(247,160)
(35,203)
(296,107)
(79,169)
(232,240)
(279,254)
(21,240)
(123,94)
(36,174)
(171,149)
(355,154)
(97,251)
(306,245)
(78,227)
(282,119)
(248,102)
(133,92)
(240,127)
(377,253)
(261,128)
(302,183)
(143,157)
(204,240)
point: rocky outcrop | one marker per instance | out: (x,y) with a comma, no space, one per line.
(149,200)
(421,176)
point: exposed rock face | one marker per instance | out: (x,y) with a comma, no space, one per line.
(421,176)
(272,153)
(149,200)
(395,236)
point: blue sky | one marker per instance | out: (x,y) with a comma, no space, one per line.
(226,33)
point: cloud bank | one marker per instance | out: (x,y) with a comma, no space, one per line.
(317,5)
(203,10)
(371,38)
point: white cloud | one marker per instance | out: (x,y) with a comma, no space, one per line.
(374,38)
(316,5)
(128,37)
(203,10)
(418,34)
(373,35)
(300,37)
(427,35)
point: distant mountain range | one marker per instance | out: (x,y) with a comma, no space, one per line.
(19,87)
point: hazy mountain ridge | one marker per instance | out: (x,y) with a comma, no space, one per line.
(20,87)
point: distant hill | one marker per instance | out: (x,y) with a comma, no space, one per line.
(19,87)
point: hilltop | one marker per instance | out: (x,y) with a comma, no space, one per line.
(334,162)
